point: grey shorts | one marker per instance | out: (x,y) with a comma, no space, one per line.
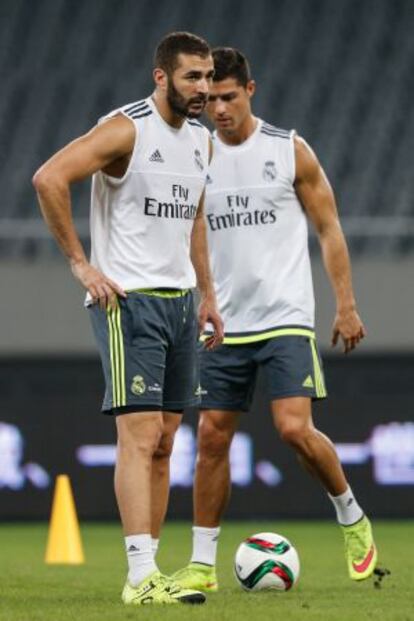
(148,349)
(291,365)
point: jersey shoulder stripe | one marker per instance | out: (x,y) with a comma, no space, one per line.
(279,132)
(274,134)
(195,123)
(137,105)
(270,130)
(141,113)
(274,128)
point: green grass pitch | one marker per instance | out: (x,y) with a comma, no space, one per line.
(32,591)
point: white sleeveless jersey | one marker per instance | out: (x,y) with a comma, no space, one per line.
(258,236)
(141,224)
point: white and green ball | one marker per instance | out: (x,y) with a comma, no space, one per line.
(266,561)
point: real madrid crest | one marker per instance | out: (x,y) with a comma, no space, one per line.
(198,160)
(269,171)
(138,385)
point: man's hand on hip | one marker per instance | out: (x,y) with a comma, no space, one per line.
(101,288)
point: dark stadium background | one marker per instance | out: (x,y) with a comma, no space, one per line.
(342,74)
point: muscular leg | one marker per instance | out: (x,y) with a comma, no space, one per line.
(293,420)
(160,481)
(212,477)
(212,486)
(138,438)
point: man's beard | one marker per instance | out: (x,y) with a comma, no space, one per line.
(180,105)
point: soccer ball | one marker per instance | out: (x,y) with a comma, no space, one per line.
(266,561)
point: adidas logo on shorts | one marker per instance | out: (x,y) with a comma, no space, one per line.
(308,383)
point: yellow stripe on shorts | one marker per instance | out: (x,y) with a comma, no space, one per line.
(264,336)
(319,380)
(161,293)
(116,349)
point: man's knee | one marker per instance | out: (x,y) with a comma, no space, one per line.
(214,440)
(293,426)
(139,436)
(165,446)
(166,441)
(293,434)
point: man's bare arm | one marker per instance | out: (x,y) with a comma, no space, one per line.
(100,148)
(316,195)
(199,256)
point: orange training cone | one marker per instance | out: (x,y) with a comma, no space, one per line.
(64,545)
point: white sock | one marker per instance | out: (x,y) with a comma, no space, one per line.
(154,545)
(348,510)
(205,545)
(140,558)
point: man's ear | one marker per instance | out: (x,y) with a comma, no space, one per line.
(160,78)
(251,88)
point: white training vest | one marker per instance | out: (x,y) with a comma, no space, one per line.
(258,236)
(141,224)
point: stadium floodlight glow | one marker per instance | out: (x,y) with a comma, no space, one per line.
(268,473)
(241,459)
(182,458)
(390,447)
(97,454)
(13,473)
(353,453)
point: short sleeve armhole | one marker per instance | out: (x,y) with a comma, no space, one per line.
(119,180)
(292,158)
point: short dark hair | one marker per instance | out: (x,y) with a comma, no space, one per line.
(230,63)
(166,54)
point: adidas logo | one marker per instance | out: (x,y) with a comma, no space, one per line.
(156,157)
(308,383)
